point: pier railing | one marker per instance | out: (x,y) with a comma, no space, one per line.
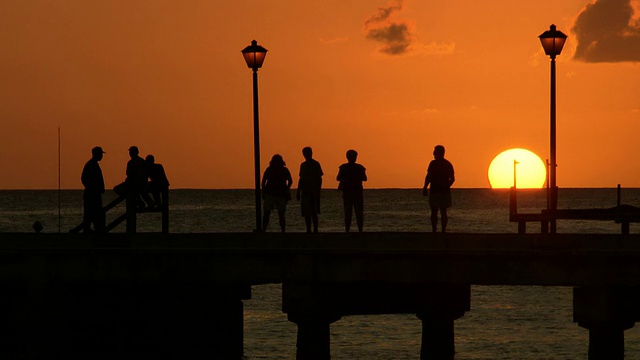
(130,215)
(621,214)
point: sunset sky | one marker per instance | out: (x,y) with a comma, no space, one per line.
(390,79)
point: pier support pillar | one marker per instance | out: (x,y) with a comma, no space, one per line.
(444,305)
(606,341)
(313,308)
(606,312)
(438,341)
(313,341)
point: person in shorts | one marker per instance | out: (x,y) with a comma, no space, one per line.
(351,175)
(309,187)
(440,177)
(276,182)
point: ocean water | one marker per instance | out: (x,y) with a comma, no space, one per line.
(505,322)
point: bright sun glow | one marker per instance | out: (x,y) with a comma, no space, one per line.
(530,171)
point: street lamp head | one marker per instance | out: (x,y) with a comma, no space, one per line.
(254,55)
(552,41)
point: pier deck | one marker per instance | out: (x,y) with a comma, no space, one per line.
(325,276)
(259,258)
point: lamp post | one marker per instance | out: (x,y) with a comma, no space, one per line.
(254,55)
(552,41)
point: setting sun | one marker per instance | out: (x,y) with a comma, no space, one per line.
(519,166)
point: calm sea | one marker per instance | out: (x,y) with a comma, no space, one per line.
(505,322)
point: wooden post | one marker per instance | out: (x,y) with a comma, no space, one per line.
(522,227)
(625,228)
(513,203)
(544,226)
(165,211)
(131,213)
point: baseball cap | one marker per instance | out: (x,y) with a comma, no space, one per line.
(97,150)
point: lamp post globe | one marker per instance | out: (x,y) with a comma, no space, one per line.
(254,56)
(552,42)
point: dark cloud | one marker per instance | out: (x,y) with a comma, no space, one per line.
(395,37)
(383,14)
(607,31)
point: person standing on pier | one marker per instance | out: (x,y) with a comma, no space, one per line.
(93,183)
(309,187)
(276,182)
(351,176)
(440,175)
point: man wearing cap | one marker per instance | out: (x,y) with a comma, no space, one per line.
(93,183)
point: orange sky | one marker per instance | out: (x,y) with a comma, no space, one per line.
(389,79)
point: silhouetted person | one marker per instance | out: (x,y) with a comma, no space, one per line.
(93,183)
(440,175)
(158,184)
(276,183)
(137,175)
(351,176)
(309,187)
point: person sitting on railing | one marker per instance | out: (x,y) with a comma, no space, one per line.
(136,181)
(158,184)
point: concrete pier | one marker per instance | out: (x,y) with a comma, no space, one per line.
(313,340)
(314,306)
(606,312)
(438,312)
(181,295)
(103,320)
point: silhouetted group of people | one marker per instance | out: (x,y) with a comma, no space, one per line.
(277,181)
(143,177)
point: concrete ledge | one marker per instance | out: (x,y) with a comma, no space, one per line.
(248,258)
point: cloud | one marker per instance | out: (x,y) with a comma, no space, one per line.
(396,37)
(384,14)
(434,48)
(334,40)
(608,31)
